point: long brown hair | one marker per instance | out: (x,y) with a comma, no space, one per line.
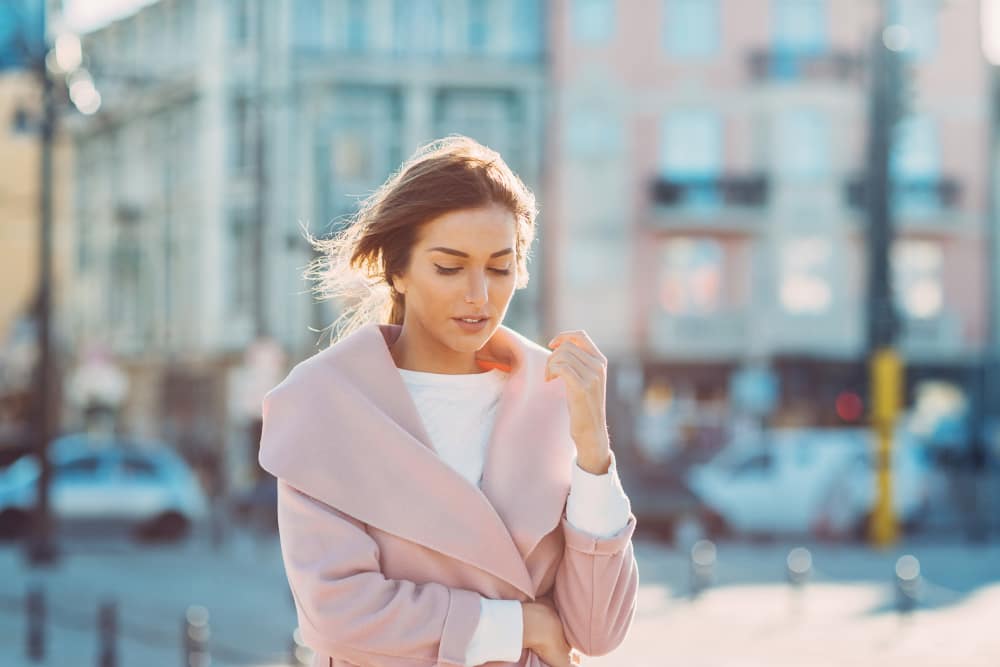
(357,263)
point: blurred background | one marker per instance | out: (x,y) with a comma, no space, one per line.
(776,218)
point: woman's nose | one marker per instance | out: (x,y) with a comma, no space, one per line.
(477,291)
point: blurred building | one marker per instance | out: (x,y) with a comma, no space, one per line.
(706,191)
(224,126)
(20,194)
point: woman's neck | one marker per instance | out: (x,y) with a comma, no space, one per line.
(413,355)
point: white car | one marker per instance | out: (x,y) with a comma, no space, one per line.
(811,480)
(151,490)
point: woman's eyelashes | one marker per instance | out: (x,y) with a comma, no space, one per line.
(450,271)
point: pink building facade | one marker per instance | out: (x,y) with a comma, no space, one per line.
(705,179)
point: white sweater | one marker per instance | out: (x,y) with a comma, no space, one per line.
(458,413)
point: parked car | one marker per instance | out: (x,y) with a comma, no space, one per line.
(667,508)
(148,490)
(812,480)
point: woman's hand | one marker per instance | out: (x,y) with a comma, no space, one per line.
(584,370)
(543,634)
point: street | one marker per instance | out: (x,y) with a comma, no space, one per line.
(749,616)
(844,616)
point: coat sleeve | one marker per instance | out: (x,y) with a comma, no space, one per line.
(349,610)
(596,587)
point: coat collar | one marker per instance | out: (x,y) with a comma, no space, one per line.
(343,428)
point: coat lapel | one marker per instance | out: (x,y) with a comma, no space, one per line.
(343,428)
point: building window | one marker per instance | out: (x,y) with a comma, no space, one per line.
(917,278)
(919,17)
(240,22)
(487,117)
(593,21)
(478,33)
(915,165)
(800,26)
(307,24)
(691,276)
(357,25)
(691,155)
(417,27)
(528,29)
(242,138)
(128,309)
(802,146)
(691,144)
(805,271)
(240,263)
(359,148)
(691,28)
(350,158)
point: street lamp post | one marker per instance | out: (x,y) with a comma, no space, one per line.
(41,547)
(990,41)
(61,58)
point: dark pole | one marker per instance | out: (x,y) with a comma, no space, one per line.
(885,365)
(988,413)
(882,321)
(260,282)
(168,261)
(993,221)
(41,548)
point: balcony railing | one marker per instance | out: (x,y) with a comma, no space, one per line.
(911,195)
(791,65)
(710,191)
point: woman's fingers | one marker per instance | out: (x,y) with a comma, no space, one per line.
(582,356)
(582,340)
(564,369)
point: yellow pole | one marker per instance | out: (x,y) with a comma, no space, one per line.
(886,390)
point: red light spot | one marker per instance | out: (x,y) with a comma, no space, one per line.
(849,406)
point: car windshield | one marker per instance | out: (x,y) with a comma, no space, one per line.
(138,467)
(78,468)
(755,464)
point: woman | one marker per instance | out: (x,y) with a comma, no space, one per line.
(447,494)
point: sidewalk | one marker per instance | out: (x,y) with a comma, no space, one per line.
(242,585)
(750,616)
(845,616)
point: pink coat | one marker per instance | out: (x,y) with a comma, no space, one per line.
(387,548)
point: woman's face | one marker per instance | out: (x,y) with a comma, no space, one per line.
(462,265)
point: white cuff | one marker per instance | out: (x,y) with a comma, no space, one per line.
(597,504)
(499,634)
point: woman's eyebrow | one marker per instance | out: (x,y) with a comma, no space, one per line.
(459,253)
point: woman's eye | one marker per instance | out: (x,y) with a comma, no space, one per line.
(449,271)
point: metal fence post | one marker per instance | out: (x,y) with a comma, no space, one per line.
(107,627)
(35,609)
(703,557)
(195,637)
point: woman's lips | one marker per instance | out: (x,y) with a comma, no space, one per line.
(471,327)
